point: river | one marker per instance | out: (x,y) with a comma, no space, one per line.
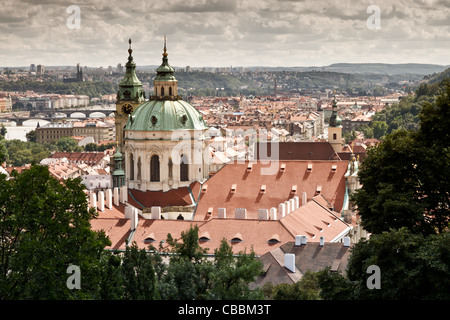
(19,132)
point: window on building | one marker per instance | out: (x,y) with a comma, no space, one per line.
(131,167)
(334,136)
(154,169)
(162,91)
(170,91)
(184,168)
(139,168)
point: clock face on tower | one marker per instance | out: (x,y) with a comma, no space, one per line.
(127,109)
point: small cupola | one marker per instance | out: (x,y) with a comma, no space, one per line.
(165,85)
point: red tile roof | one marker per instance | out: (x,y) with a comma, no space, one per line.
(278,186)
(174,197)
(261,236)
(297,151)
(116,227)
(91,158)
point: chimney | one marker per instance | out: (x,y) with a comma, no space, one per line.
(134,219)
(346,241)
(288,207)
(296,202)
(289,261)
(128,212)
(222,213)
(240,213)
(263,214)
(292,204)
(116,196)
(93,200)
(156,213)
(300,239)
(101,201)
(304,198)
(123,194)
(273,213)
(108,196)
(321,241)
(282,210)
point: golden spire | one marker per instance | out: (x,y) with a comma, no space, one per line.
(165,50)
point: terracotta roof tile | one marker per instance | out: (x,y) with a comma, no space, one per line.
(278,186)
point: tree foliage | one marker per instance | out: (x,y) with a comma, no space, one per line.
(44,228)
(412,266)
(405,178)
(307,288)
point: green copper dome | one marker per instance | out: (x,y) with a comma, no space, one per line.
(335,121)
(130,87)
(165,71)
(165,115)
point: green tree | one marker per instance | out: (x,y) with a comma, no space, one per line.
(189,275)
(67,144)
(334,286)
(232,275)
(405,179)
(44,228)
(110,284)
(91,147)
(307,288)
(412,266)
(19,153)
(367,131)
(31,136)
(138,274)
(2,131)
(379,129)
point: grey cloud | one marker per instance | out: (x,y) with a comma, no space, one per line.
(197,6)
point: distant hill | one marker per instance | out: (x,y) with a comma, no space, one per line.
(366,68)
(438,77)
(384,68)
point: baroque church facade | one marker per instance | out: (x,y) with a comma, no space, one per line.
(162,140)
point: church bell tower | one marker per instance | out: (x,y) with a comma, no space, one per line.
(129,97)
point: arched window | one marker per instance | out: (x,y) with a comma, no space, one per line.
(162,91)
(154,169)
(184,168)
(170,168)
(170,91)
(139,169)
(334,136)
(131,167)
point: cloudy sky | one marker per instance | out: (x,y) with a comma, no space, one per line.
(224,32)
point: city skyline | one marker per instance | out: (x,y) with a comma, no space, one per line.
(236,33)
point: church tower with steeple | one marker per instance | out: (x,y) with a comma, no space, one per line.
(164,139)
(335,129)
(129,97)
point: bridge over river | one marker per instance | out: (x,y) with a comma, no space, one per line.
(49,115)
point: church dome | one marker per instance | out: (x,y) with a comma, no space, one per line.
(165,115)
(165,111)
